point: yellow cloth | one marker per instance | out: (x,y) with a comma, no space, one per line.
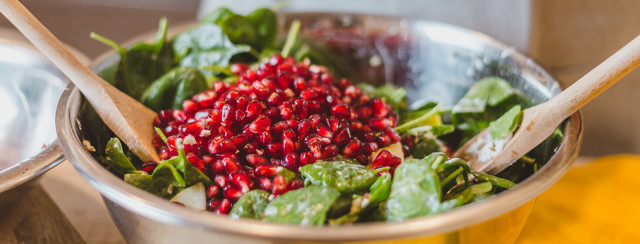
(594,203)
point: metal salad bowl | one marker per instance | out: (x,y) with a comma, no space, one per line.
(29,89)
(433,61)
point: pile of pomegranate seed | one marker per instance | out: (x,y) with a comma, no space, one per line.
(282,115)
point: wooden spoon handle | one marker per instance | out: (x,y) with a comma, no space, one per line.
(130,120)
(595,82)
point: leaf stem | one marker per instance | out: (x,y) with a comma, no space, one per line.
(108,42)
(291,38)
(408,125)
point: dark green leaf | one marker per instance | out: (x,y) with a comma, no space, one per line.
(435,130)
(191,174)
(165,181)
(206,45)
(117,160)
(170,90)
(504,126)
(250,205)
(304,206)
(415,190)
(265,22)
(240,30)
(496,181)
(425,147)
(346,177)
(218,16)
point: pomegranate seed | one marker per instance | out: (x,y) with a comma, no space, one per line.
(288,146)
(220,180)
(329,151)
(370,147)
(307,158)
(279,185)
(378,107)
(231,165)
(352,148)
(286,110)
(179,116)
(323,131)
(291,162)
(227,115)
(253,109)
(265,184)
(212,191)
(295,183)
(240,180)
(265,138)
(288,134)
(255,159)
(341,111)
(190,107)
(378,123)
(343,137)
(221,146)
(267,170)
(274,149)
(261,124)
(304,127)
(232,193)
(238,68)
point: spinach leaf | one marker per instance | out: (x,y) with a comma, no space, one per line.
(415,190)
(191,174)
(435,130)
(265,22)
(170,90)
(304,206)
(503,127)
(250,205)
(378,193)
(206,45)
(344,176)
(392,95)
(240,30)
(425,147)
(117,161)
(142,63)
(165,181)
(218,16)
(485,101)
(426,115)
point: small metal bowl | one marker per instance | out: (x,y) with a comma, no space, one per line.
(29,89)
(433,61)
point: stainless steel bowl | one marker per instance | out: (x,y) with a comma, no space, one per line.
(433,61)
(29,89)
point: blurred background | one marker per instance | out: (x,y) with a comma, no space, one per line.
(567,37)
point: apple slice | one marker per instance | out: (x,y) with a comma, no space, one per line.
(193,197)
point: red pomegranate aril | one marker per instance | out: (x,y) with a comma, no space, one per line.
(279,127)
(288,146)
(195,160)
(201,115)
(362,159)
(260,89)
(212,205)
(220,180)
(378,123)
(383,140)
(304,128)
(286,110)
(279,185)
(364,113)
(300,84)
(274,149)
(212,191)
(228,113)
(351,91)
(341,111)
(288,133)
(265,138)
(267,170)
(309,94)
(255,159)
(193,128)
(224,207)
(217,145)
(249,148)
(307,158)
(179,116)
(378,107)
(352,148)
(275,98)
(232,193)
(273,114)
(330,151)
(313,107)
(238,68)
(190,107)
(323,131)
(265,184)
(291,162)
(254,108)
(230,164)
(369,147)
(261,124)
(225,132)
(240,180)
(295,183)
(369,137)
(241,102)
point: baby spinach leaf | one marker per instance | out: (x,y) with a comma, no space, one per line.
(393,95)
(142,63)
(304,206)
(426,115)
(250,205)
(142,181)
(240,30)
(415,190)
(165,181)
(435,130)
(265,22)
(378,193)
(170,90)
(346,177)
(218,16)
(425,147)
(191,174)
(504,126)
(206,45)
(117,161)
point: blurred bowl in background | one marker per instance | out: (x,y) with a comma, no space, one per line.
(433,61)
(30,87)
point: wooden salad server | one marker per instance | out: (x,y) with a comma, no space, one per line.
(129,119)
(538,122)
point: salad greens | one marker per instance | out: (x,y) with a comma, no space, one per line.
(164,73)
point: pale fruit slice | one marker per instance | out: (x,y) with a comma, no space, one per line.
(395,149)
(193,197)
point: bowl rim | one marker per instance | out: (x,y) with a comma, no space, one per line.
(150,206)
(30,168)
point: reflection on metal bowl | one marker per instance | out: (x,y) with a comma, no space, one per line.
(29,88)
(433,61)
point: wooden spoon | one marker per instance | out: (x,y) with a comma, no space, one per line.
(540,121)
(130,120)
